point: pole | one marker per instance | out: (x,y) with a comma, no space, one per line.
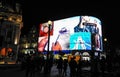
(48,41)
(49,24)
(47,64)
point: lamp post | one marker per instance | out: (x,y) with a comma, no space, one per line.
(49,24)
(105,39)
(47,64)
(105,44)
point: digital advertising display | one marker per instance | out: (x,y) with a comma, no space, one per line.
(73,33)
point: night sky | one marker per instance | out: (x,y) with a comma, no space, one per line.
(35,13)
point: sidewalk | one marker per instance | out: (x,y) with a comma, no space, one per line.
(54,73)
(14,71)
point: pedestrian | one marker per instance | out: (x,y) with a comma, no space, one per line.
(79,67)
(102,65)
(60,65)
(65,65)
(73,66)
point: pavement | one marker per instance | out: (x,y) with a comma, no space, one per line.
(13,70)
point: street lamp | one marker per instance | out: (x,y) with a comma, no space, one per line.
(105,39)
(49,25)
(105,44)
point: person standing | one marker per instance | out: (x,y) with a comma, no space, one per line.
(73,66)
(65,65)
(60,65)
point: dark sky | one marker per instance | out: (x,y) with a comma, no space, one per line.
(35,13)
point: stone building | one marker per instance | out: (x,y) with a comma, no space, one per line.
(11,24)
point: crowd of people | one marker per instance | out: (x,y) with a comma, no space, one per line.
(32,64)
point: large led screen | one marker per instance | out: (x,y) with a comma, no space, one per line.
(73,33)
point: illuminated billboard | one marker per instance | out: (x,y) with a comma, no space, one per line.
(73,33)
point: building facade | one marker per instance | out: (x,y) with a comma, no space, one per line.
(10,28)
(29,43)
